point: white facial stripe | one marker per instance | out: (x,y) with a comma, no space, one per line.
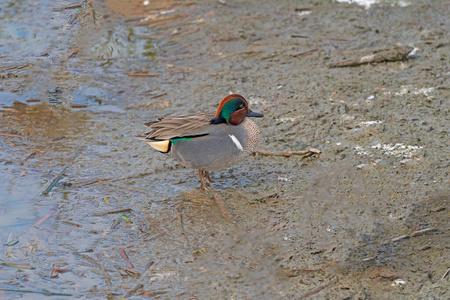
(236,142)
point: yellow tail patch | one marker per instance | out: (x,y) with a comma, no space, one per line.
(162,146)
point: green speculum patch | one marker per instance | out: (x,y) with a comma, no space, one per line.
(179,139)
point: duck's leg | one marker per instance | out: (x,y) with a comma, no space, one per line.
(202,179)
(208,179)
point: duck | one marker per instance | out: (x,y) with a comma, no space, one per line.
(207,141)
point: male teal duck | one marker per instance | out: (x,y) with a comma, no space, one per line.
(207,141)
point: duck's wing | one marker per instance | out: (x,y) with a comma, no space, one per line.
(180,126)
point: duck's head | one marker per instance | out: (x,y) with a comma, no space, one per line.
(233,109)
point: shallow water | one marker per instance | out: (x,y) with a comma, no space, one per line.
(366,219)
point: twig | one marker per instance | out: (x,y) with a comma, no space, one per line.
(158,96)
(32,154)
(438,209)
(300,9)
(10,242)
(78,106)
(72,224)
(79,226)
(423,231)
(305,153)
(73,18)
(445,274)
(144,73)
(155,236)
(67,7)
(93,182)
(299,36)
(113,225)
(125,258)
(337,39)
(10,134)
(315,291)
(305,52)
(4,263)
(54,182)
(106,276)
(112,212)
(75,52)
(21,67)
(134,290)
(121,215)
(99,181)
(148,268)
(43,291)
(401,237)
(225,213)
(414,234)
(394,54)
(46,217)
(55,272)
(269,56)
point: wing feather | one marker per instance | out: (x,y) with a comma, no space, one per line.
(179,126)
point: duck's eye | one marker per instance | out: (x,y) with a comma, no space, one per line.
(241,106)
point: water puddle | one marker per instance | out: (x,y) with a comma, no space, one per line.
(87,210)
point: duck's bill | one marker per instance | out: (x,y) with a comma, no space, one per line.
(254,114)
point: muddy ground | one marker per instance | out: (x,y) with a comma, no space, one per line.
(368,219)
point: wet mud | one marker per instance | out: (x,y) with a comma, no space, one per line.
(89,211)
